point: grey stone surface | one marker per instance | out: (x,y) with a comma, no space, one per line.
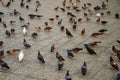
(31,69)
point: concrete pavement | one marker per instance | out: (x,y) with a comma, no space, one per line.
(30,69)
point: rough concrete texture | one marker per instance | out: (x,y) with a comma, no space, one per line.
(31,69)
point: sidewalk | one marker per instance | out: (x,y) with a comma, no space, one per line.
(31,69)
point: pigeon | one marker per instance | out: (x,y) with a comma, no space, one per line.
(4,64)
(85,14)
(40,57)
(51,19)
(1,13)
(32,16)
(114,49)
(74,27)
(75,22)
(1,53)
(77,10)
(102,13)
(16,12)
(64,3)
(91,51)
(57,16)
(27,7)
(88,19)
(68,33)
(12,51)
(70,1)
(48,28)
(118,55)
(39,16)
(69,13)
(92,44)
(84,4)
(75,50)
(12,31)
(89,4)
(84,7)
(22,4)
(118,75)
(59,57)
(118,41)
(96,34)
(1,43)
(67,76)
(74,4)
(24,31)
(72,15)
(46,23)
(4,24)
(21,18)
(53,48)
(75,7)
(113,64)
(70,54)
(102,30)
(68,7)
(7,33)
(97,8)
(56,8)
(59,22)
(38,28)
(8,4)
(60,65)
(98,20)
(34,35)
(98,15)
(26,44)
(117,16)
(0,19)
(26,25)
(79,20)
(106,0)
(104,6)
(62,9)
(104,22)
(62,28)
(83,32)
(78,1)
(38,3)
(28,1)
(84,69)
(21,56)
(12,22)
(108,12)
(90,12)
(71,20)
(36,10)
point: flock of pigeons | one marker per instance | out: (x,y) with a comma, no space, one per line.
(72,19)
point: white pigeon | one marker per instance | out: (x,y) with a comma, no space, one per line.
(98,14)
(24,31)
(21,56)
